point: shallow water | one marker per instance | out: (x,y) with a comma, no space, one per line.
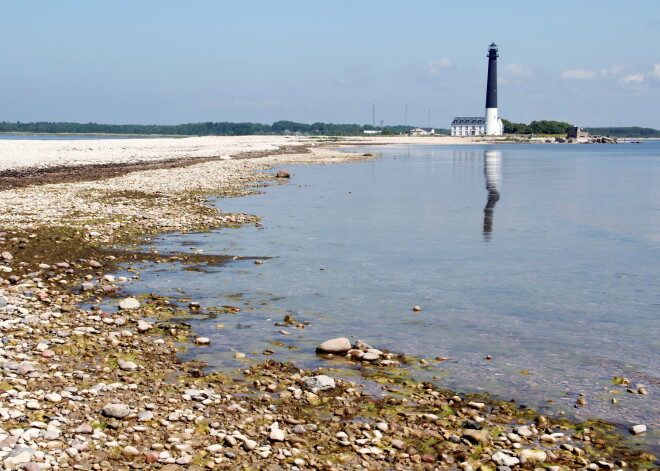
(545,257)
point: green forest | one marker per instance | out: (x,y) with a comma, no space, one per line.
(291,127)
(560,127)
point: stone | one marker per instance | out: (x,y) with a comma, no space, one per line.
(532,456)
(18,456)
(277,435)
(6,256)
(638,429)
(117,411)
(398,444)
(338,345)
(130,451)
(129,303)
(283,174)
(143,326)
(370,356)
(85,428)
(31,466)
(127,365)
(502,459)
(480,437)
(320,383)
(203,341)
(524,431)
(53,397)
(145,416)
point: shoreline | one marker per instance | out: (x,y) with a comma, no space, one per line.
(63,365)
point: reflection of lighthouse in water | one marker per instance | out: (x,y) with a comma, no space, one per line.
(493,174)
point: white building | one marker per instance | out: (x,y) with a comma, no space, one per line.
(468,126)
(421,132)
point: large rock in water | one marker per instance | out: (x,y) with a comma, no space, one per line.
(338,345)
(129,303)
(320,383)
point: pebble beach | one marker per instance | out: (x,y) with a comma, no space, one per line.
(92,389)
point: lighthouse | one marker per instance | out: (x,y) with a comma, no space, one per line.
(493,125)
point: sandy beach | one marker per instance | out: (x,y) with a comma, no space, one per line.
(83,388)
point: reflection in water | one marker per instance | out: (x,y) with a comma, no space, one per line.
(493,174)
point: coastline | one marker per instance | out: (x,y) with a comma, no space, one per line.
(65,362)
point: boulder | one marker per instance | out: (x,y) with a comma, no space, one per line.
(117,411)
(129,303)
(320,383)
(338,345)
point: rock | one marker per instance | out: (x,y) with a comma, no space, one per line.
(6,256)
(283,174)
(417,308)
(25,369)
(31,466)
(524,431)
(117,411)
(129,303)
(94,264)
(638,429)
(398,444)
(130,451)
(239,355)
(53,397)
(143,326)
(370,356)
(320,383)
(277,435)
(338,345)
(18,456)
(127,365)
(533,456)
(85,428)
(502,459)
(151,457)
(203,341)
(477,436)
(145,416)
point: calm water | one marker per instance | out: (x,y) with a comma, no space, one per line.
(546,257)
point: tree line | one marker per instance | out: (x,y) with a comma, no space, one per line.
(536,127)
(560,127)
(202,129)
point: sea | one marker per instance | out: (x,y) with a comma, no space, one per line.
(536,268)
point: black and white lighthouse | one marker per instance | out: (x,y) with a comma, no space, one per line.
(493,125)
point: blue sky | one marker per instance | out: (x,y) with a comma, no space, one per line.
(588,62)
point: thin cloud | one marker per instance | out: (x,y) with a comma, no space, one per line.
(656,71)
(578,74)
(429,71)
(438,66)
(628,79)
(519,71)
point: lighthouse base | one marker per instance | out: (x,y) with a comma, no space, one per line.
(494,125)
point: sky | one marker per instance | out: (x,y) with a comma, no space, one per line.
(420,62)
